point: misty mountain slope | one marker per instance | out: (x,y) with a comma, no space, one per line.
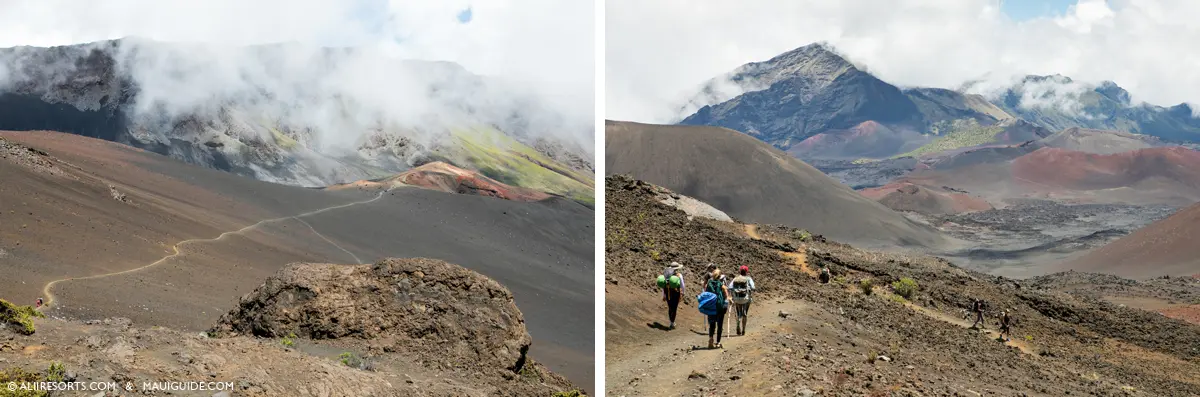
(752,181)
(282,113)
(1058,102)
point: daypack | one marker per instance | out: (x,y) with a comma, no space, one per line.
(661,281)
(675,282)
(706,302)
(740,290)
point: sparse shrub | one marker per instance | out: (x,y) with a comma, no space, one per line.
(841,280)
(56,373)
(906,287)
(898,299)
(529,373)
(288,341)
(1029,338)
(866,285)
(802,235)
(351,360)
(20,316)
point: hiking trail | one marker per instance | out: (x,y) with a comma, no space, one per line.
(800,259)
(50,298)
(658,368)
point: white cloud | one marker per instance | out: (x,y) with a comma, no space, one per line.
(544,46)
(659,52)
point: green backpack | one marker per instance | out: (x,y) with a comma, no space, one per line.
(675,282)
(662,281)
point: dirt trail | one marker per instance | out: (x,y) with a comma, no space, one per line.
(50,299)
(800,259)
(659,367)
(994,334)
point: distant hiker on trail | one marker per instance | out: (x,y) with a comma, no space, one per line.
(977,308)
(671,282)
(39,303)
(825,276)
(714,302)
(741,286)
(1005,323)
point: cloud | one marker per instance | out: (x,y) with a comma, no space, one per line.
(658,53)
(536,57)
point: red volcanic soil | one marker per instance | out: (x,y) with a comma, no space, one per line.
(905,196)
(443,177)
(867,139)
(1166,247)
(1190,314)
(1072,170)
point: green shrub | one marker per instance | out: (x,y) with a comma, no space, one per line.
(288,341)
(866,285)
(802,235)
(906,287)
(56,373)
(21,316)
(354,361)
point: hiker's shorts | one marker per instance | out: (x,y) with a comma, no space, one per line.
(742,309)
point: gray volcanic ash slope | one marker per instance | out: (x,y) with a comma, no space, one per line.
(177,244)
(752,181)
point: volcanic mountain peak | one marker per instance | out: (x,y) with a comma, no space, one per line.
(817,62)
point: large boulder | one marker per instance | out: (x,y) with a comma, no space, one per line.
(425,306)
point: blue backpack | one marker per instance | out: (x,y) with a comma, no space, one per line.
(707,303)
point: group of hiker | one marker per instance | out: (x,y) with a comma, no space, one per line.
(1005,321)
(720,292)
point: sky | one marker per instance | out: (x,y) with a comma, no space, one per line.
(544,45)
(658,53)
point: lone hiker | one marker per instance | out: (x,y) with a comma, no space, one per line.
(39,303)
(741,286)
(671,282)
(977,308)
(714,302)
(1005,323)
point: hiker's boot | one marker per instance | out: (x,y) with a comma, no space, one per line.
(672,325)
(710,343)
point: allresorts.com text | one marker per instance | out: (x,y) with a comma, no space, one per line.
(117,386)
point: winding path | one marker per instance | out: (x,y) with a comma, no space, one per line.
(50,299)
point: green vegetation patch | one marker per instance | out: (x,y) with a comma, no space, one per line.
(906,287)
(56,373)
(502,158)
(19,316)
(956,134)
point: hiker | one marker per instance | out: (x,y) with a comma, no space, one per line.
(741,286)
(672,290)
(708,274)
(1005,322)
(39,303)
(825,276)
(716,321)
(977,308)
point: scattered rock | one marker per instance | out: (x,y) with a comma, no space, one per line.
(784,314)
